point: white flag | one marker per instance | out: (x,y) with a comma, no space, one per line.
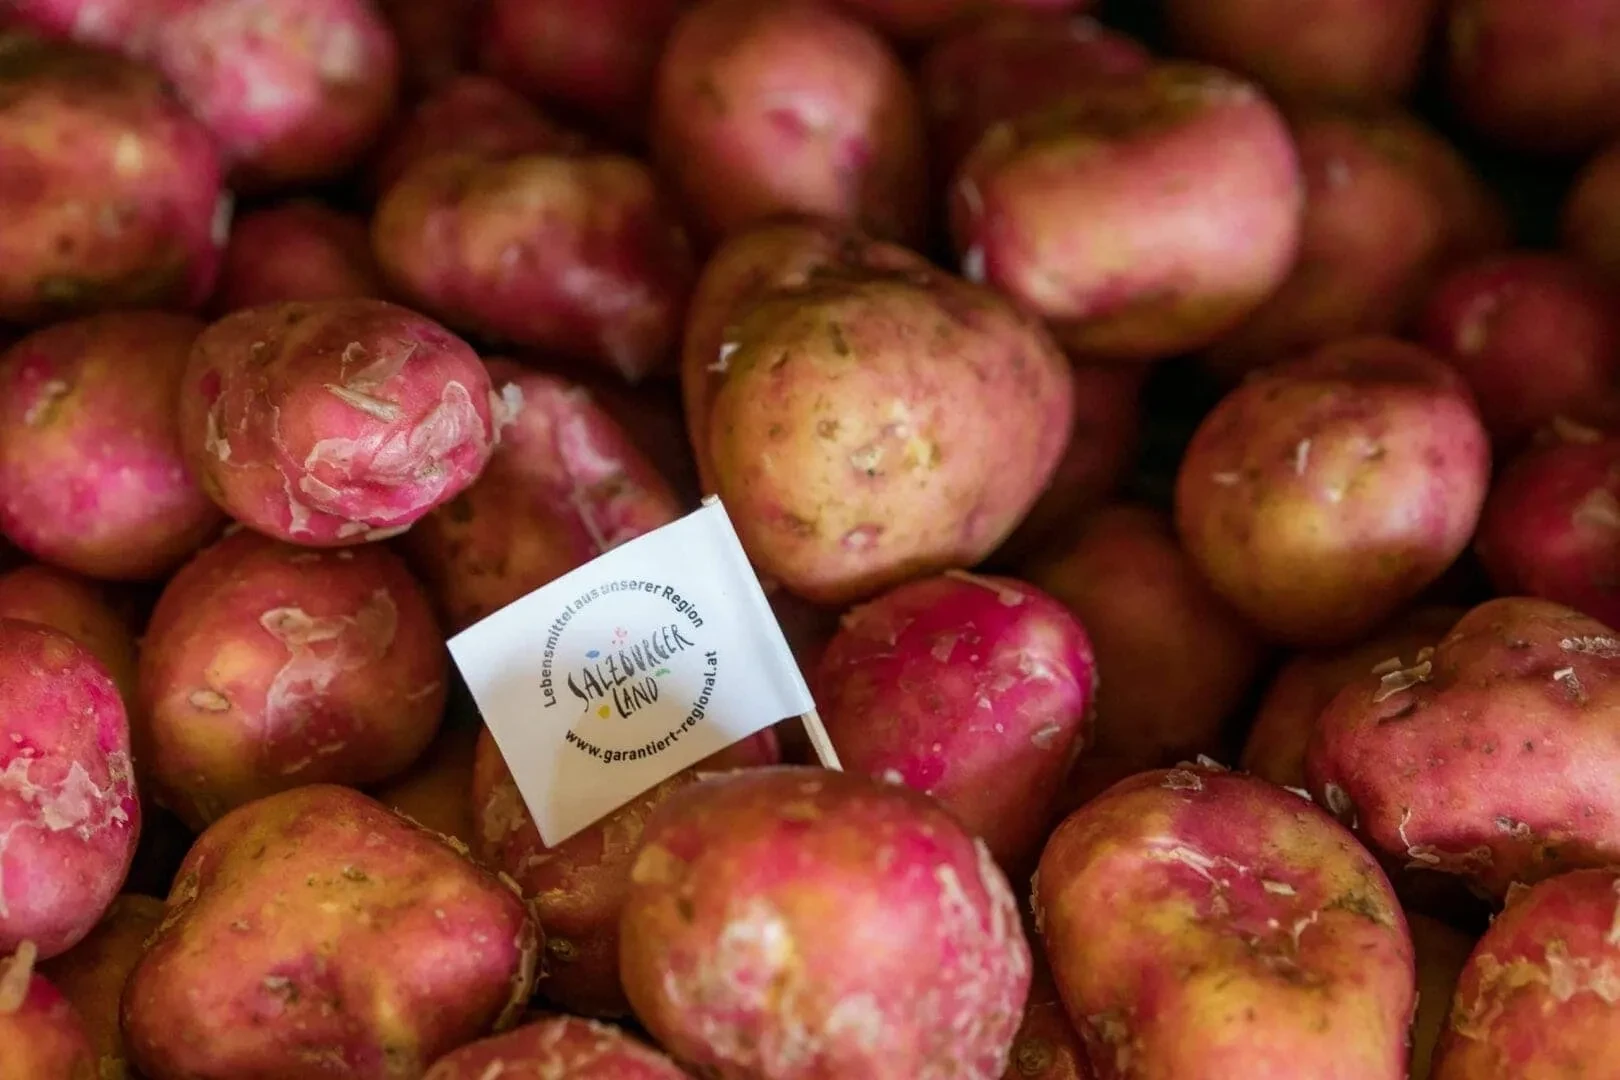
(642,662)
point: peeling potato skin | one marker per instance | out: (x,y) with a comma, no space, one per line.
(1047,1046)
(556,1047)
(70,814)
(436,792)
(876,425)
(79,609)
(92,974)
(111,191)
(1538,996)
(267,666)
(578,888)
(297,250)
(801,924)
(1441,954)
(315,930)
(1590,225)
(976,691)
(1204,925)
(1321,495)
(328,423)
(43,1038)
(91,466)
(1493,758)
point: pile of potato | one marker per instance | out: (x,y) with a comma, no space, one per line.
(1181,441)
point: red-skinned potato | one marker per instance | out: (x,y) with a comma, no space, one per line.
(92,974)
(652,416)
(1535,335)
(578,888)
(1351,51)
(69,813)
(335,422)
(435,39)
(436,792)
(1490,757)
(1323,494)
(43,1038)
(566,485)
(974,690)
(299,250)
(1081,212)
(1591,214)
(802,924)
(923,19)
(317,929)
(1047,1046)
(1551,527)
(1441,954)
(79,609)
(1307,684)
(557,1046)
(112,192)
(1536,77)
(1206,926)
(267,666)
(792,107)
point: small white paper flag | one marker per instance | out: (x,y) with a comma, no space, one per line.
(642,662)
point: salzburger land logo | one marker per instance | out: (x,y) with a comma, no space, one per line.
(651,665)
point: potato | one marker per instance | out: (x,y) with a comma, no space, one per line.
(1441,953)
(1082,212)
(1175,660)
(436,792)
(69,813)
(1535,1001)
(92,974)
(974,690)
(435,39)
(1351,51)
(1388,206)
(1536,77)
(876,425)
(1047,1046)
(1309,682)
(112,192)
(793,107)
(1323,494)
(578,888)
(334,422)
(1207,926)
(557,1046)
(565,485)
(1590,224)
(925,18)
(579,255)
(1489,758)
(598,59)
(91,466)
(1535,335)
(1551,527)
(796,924)
(315,929)
(42,1037)
(651,415)
(79,609)
(298,250)
(267,666)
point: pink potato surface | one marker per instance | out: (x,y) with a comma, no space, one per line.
(1551,527)
(793,107)
(93,476)
(1307,684)
(974,690)
(110,192)
(579,255)
(557,1047)
(566,484)
(1442,952)
(81,610)
(1082,211)
(1490,757)
(435,39)
(317,930)
(1206,925)
(875,425)
(268,666)
(1349,51)
(1323,494)
(437,791)
(599,59)
(1047,1046)
(92,974)
(796,923)
(1536,999)
(1591,214)
(42,1036)
(1535,335)
(335,422)
(1174,659)
(651,415)
(923,19)
(69,813)
(1539,78)
(298,250)
(578,888)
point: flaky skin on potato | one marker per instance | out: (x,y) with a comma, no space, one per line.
(557,1047)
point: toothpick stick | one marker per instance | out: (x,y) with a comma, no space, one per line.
(821,741)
